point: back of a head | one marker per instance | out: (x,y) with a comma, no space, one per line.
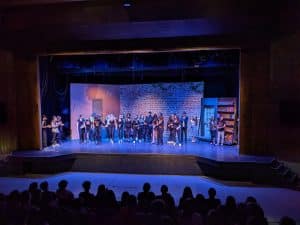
(132,201)
(86,185)
(33,186)
(164,189)
(146,187)
(187,193)
(287,221)
(250,200)
(44,186)
(212,193)
(62,184)
(101,188)
(124,197)
(230,202)
(200,198)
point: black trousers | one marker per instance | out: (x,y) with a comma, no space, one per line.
(121,133)
(127,132)
(149,132)
(81,134)
(184,134)
(172,136)
(178,134)
(44,137)
(135,133)
(98,134)
(160,134)
(111,130)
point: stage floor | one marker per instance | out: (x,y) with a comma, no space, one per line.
(199,149)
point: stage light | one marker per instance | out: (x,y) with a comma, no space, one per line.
(126,3)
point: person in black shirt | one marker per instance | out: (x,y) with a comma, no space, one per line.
(172,130)
(87,132)
(128,127)
(81,128)
(177,128)
(160,129)
(184,125)
(111,125)
(149,127)
(135,129)
(45,128)
(97,124)
(120,125)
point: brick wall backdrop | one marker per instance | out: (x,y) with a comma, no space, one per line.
(166,98)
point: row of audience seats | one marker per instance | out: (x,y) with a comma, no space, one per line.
(40,206)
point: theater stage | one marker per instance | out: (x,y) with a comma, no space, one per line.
(199,158)
(201,149)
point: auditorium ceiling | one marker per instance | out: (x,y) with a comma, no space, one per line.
(53,25)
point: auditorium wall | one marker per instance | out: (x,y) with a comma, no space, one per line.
(19,102)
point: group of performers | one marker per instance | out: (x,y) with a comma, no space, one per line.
(56,125)
(140,128)
(217,130)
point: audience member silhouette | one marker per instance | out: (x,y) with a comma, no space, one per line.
(100,195)
(61,208)
(145,198)
(212,202)
(34,192)
(86,198)
(167,198)
(186,194)
(124,199)
(64,196)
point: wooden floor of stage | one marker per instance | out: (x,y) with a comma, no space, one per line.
(200,149)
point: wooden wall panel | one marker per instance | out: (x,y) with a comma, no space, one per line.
(255,102)
(28,102)
(8,137)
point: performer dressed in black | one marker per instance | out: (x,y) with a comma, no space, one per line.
(87,132)
(97,124)
(128,127)
(141,132)
(81,128)
(135,129)
(160,129)
(149,127)
(120,126)
(177,128)
(111,124)
(45,128)
(184,125)
(172,130)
